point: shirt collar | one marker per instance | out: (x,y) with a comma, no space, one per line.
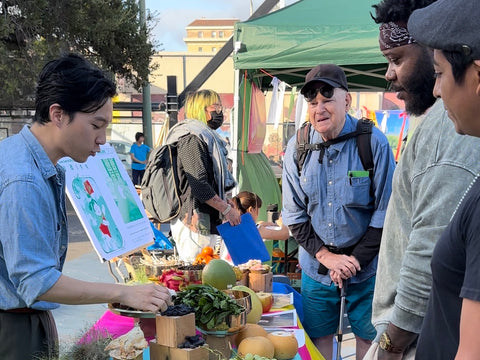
(41,158)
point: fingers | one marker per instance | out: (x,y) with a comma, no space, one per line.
(336,278)
(354,262)
(233,217)
(150,297)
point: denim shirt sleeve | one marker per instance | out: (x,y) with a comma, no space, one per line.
(29,234)
(294,199)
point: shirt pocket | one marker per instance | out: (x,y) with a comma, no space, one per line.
(357,191)
(310,187)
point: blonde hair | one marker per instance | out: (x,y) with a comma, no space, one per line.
(197,102)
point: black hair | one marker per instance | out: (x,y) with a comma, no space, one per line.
(138,135)
(459,63)
(75,84)
(397,10)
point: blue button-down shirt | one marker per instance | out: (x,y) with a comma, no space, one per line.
(33,225)
(340,207)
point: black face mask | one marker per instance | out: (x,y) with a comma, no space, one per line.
(216,121)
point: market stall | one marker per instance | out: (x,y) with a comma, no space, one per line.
(285,45)
(116,325)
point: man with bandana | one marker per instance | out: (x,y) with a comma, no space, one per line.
(435,168)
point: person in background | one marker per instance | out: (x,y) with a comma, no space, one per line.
(139,152)
(450,327)
(435,168)
(249,202)
(73,108)
(204,177)
(335,211)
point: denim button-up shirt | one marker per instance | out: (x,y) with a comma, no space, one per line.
(340,207)
(33,225)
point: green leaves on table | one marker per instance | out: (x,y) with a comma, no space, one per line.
(212,306)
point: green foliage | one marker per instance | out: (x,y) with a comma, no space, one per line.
(212,306)
(32,32)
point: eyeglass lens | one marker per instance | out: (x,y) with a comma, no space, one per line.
(218,108)
(326,91)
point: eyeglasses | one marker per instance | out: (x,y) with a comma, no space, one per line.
(218,108)
(325,90)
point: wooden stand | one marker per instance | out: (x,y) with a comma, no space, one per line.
(162,352)
(260,282)
(171,330)
(220,344)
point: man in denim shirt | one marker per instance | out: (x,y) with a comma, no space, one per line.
(333,214)
(73,109)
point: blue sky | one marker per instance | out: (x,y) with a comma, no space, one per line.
(174,15)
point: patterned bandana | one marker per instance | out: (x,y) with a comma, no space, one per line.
(394,34)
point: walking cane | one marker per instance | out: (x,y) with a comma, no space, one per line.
(343,292)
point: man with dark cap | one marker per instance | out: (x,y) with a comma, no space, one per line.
(450,328)
(333,215)
(428,182)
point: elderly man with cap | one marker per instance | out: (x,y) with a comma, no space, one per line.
(450,328)
(335,210)
(435,168)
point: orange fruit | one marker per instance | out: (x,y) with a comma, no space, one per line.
(207,250)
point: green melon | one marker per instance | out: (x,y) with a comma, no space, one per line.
(219,274)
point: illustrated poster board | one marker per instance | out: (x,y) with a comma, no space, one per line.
(107,204)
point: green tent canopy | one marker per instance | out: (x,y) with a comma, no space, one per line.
(289,42)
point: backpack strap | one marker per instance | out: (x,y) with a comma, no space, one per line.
(364,136)
(303,142)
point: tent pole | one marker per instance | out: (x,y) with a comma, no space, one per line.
(234,123)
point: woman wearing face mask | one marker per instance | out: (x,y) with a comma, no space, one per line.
(204,178)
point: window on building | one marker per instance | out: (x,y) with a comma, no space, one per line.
(200,49)
(214,49)
(200,34)
(214,34)
(221,34)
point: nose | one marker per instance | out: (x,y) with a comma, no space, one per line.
(319,107)
(390,75)
(436,89)
(102,138)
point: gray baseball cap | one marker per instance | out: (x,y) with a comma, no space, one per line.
(450,25)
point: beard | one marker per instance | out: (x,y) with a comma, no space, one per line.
(418,86)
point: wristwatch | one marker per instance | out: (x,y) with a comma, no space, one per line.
(227,210)
(386,344)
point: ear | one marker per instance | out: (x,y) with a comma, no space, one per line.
(348,101)
(55,114)
(208,115)
(476,67)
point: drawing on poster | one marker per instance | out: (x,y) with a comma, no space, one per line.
(121,192)
(96,211)
(107,204)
